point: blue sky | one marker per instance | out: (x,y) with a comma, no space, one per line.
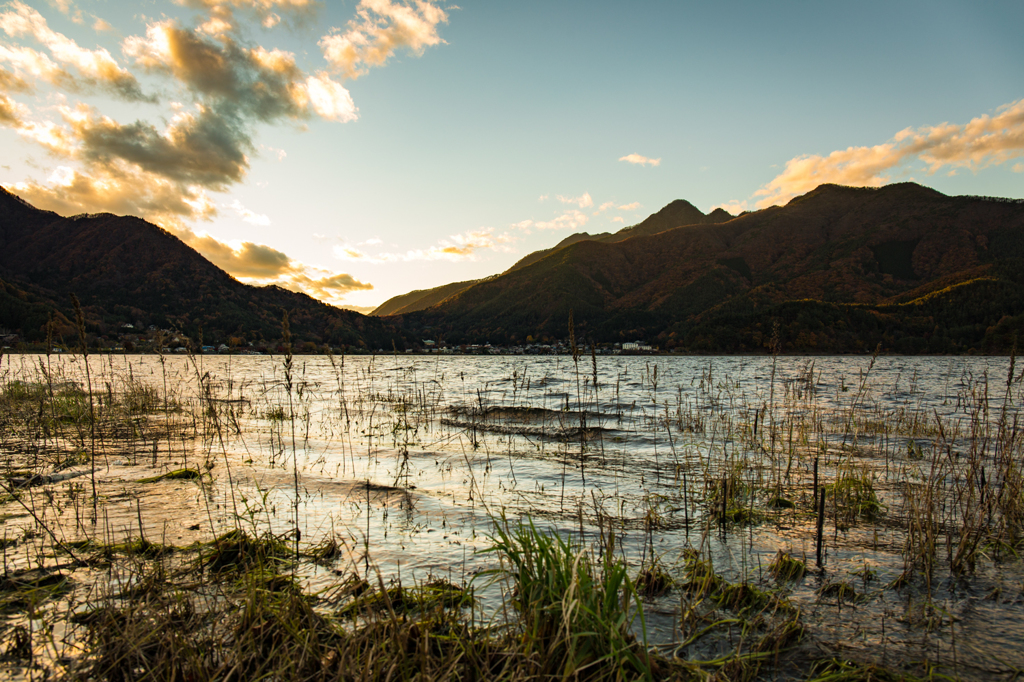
(358,150)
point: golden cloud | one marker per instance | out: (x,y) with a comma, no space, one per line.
(96,67)
(119,189)
(259,84)
(11,83)
(11,112)
(984,141)
(379,29)
(262,265)
(732,207)
(222,11)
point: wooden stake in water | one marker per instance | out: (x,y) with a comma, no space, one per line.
(821,521)
(815,483)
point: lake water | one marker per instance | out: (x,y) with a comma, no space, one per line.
(409,460)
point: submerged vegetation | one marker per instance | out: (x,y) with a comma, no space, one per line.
(189,518)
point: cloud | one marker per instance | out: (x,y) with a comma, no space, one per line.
(258,84)
(618,219)
(327,286)
(101,26)
(330,100)
(1018,168)
(733,207)
(222,12)
(583,201)
(249,216)
(11,112)
(262,264)
(630,207)
(197,148)
(120,190)
(244,259)
(11,83)
(982,142)
(64,6)
(569,220)
(163,174)
(605,206)
(379,28)
(96,67)
(457,247)
(640,160)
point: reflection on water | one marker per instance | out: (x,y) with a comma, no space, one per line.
(408,460)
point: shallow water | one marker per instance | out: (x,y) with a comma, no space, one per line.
(409,459)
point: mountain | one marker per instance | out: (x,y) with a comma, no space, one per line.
(420,299)
(128,271)
(675,214)
(837,269)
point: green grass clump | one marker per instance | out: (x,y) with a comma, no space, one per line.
(653,581)
(780,502)
(139,547)
(784,568)
(838,670)
(841,591)
(701,581)
(275,414)
(435,594)
(238,550)
(854,497)
(576,612)
(699,578)
(27,589)
(176,475)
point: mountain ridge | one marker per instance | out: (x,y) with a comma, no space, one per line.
(674,214)
(835,247)
(126,271)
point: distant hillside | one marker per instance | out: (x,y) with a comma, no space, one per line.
(838,269)
(675,214)
(418,300)
(125,270)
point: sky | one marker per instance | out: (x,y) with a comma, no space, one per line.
(360,149)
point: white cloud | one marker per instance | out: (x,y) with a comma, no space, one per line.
(457,247)
(330,99)
(378,30)
(584,201)
(640,160)
(569,220)
(630,207)
(249,216)
(96,67)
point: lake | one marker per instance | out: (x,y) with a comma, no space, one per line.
(407,461)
